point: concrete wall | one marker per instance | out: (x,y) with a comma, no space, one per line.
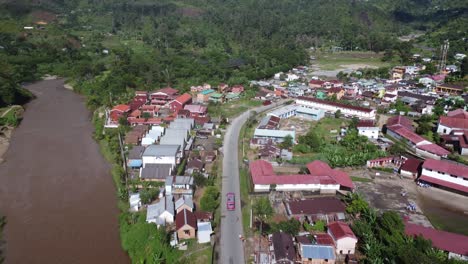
(345,245)
(333,109)
(445,177)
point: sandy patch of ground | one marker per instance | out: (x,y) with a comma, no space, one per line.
(346,68)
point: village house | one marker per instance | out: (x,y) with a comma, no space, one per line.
(450,89)
(196,110)
(446,175)
(184,203)
(398,72)
(400,128)
(274,134)
(216,98)
(283,250)
(316,84)
(237,89)
(155,172)
(163,96)
(179,185)
(204,231)
(455,121)
(161,154)
(337,92)
(368,129)
(316,254)
(223,88)
(455,244)
(411,167)
(332,107)
(134,157)
(180,102)
(135,135)
(269,122)
(314,209)
(186,224)
(204,96)
(319,168)
(162,212)
(343,236)
(118,112)
(194,165)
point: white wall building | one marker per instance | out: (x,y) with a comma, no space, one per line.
(345,240)
(445,174)
(332,107)
(369,132)
(161,154)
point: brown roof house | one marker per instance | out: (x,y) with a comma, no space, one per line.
(283,248)
(186,224)
(324,208)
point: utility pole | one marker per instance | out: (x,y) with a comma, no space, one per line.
(443,55)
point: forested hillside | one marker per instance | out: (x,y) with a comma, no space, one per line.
(180,43)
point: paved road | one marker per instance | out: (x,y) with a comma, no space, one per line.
(231,247)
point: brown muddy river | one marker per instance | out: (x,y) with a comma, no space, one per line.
(55,187)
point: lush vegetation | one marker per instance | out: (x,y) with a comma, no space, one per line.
(351,150)
(382,237)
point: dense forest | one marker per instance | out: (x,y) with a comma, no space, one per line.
(109,47)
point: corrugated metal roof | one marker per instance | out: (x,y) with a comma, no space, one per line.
(274,133)
(317,252)
(161,150)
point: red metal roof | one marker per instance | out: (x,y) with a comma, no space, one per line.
(185,217)
(167,90)
(320,168)
(400,120)
(316,82)
(135,113)
(434,149)
(365,123)
(340,230)
(121,108)
(324,239)
(453,122)
(262,173)
(407,134)
(451,168)
(315,206)
(447,184)
(319,101)
(184,99)
(443,240)
(459,113)
(411,165)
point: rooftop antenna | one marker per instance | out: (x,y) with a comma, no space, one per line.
(443,55)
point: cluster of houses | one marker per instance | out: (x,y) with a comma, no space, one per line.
(171,133)
(164,105)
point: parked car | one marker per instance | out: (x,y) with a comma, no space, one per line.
(231,201)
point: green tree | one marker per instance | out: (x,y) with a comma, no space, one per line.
(338,113)
(199,179)
(262,209)
(287,142)
(147,195)
(210,199)
(356,203)
(291,226)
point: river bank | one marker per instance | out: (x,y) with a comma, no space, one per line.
(55,186)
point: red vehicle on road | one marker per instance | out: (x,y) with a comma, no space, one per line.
(230,201)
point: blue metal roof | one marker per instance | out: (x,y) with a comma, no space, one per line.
(317,252)
(135,163)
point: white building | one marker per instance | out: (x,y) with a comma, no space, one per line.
(161,213)
(204,232)
(446,175)
(332,107)
(345,240)
(161,154)
(369,132)
(135,202)
(275,135)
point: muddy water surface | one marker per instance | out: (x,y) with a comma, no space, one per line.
(55,187)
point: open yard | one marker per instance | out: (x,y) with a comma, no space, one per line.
(438,208)
(232,109)
(328,127)
(329,64)
(300,126)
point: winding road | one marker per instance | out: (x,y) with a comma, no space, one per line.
(231,247)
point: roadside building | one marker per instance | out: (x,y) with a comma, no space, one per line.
(319,168)
(204,231)
(344,238)
(314,114)
(284,112)
(455,121)
(269,122)
(332,107)
(185,202)
(273,134)
(323,208)
(446,175)
(163,96)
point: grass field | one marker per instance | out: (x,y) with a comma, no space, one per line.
(233,108)
(359,179)
(325,125)
(343,60)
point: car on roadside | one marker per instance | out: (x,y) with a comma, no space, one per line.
(230,201)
